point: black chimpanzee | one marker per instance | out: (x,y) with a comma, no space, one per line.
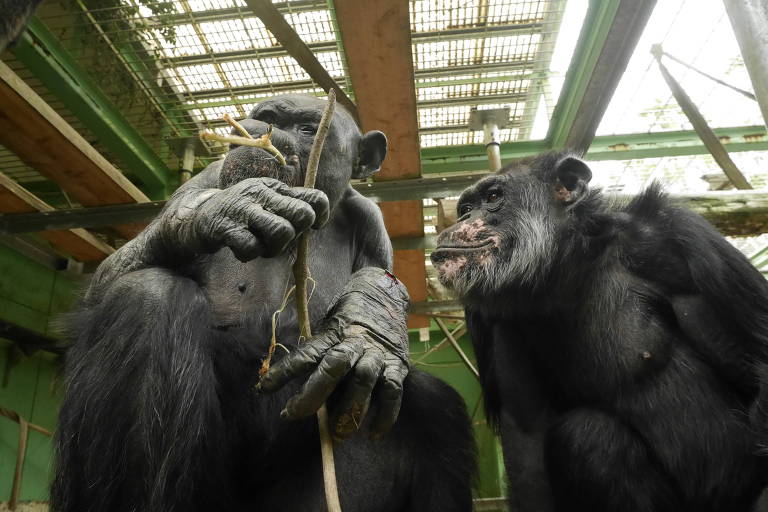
(622,345)
(14,19)
(161,413)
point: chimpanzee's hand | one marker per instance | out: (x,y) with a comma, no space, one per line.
(255,217)
(364,335)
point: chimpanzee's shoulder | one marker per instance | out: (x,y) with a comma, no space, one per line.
(366,225)
(355,202)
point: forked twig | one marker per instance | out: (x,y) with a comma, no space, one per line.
(264,142)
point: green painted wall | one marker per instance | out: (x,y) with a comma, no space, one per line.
(32,296)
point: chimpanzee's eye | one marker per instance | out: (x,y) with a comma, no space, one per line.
(267,117)
(492,196)
(464,209)
(307,129)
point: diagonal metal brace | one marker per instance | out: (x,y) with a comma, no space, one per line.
(701,127)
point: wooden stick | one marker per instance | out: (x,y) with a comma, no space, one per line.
(300,276)
(237,126)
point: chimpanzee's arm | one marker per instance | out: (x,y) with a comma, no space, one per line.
(254,217)
(371,241)
(146,249)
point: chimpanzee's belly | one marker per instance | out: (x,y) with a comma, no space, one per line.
(248,294)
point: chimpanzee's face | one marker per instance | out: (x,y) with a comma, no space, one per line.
(507,227)
(503,234)
(294,120)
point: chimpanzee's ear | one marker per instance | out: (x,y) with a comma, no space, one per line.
(370,154)
(573,175)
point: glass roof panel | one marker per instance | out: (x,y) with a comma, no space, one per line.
(504,11)
(698,33)
(208,5)
(226,35)
(261,37)
(312,26)
(197,78)
(430,16)
(185,43)
(444,116)
(678,174)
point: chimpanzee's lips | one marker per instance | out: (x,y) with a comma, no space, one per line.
(242,163)
(448,248)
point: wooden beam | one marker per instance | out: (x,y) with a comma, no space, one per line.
(78,243)
(376,37)
(274,22)
(45,141)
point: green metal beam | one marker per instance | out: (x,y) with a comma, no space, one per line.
(608,38)
(472,157)
(40,52)
(597,24)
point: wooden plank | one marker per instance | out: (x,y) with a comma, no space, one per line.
(410,269)
(404,219)
(78,243)
(43,140)
(377,42)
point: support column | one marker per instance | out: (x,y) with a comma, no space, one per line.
(490,121)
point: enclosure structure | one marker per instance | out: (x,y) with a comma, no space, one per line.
(101,103)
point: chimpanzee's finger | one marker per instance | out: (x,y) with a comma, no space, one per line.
(390,395)
(316,199)
(244,245)
(348,414)
(300,361)
(281,201)
(335,365)
(274,232)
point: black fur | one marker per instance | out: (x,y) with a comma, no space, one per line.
(161,413)
(15,14)
(625,366)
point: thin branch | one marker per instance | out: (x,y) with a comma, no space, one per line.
(237,126)
(300,277)
(262,142)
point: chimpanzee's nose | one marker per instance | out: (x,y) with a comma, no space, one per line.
(284,142)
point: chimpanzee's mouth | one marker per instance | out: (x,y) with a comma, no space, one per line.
(242,163)
(463,248)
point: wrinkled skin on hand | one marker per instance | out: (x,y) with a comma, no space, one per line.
(257,217)
(365,337)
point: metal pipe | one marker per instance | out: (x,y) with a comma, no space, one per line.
(492,146)
(749,19)
(456,347)
(187,162)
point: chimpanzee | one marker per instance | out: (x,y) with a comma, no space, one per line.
(14,18)
(622,345)
(161,411)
